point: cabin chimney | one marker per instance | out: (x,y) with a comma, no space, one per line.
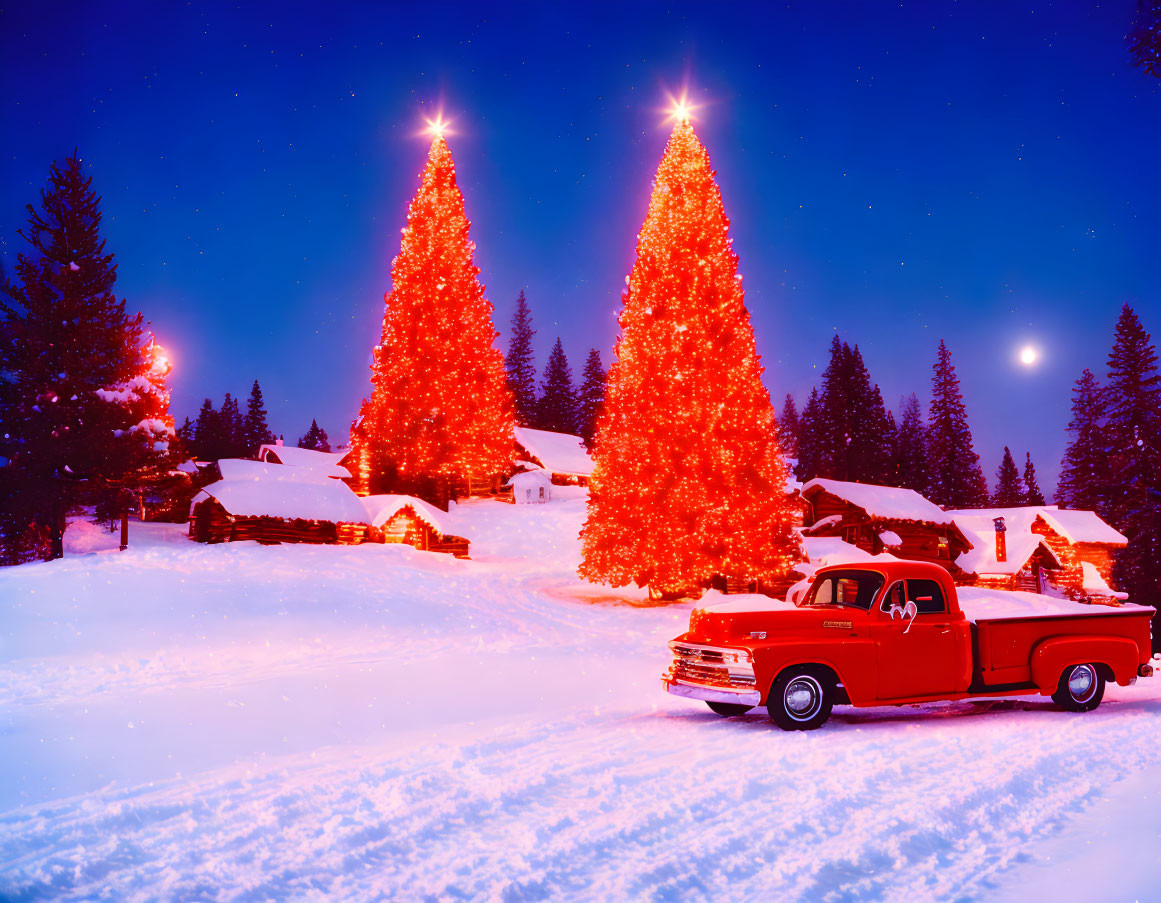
(1001,539)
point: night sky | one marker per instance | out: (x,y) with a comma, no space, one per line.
(986,173)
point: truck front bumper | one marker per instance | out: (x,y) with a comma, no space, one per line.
(712,694)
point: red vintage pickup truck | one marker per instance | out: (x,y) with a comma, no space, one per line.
(892,633)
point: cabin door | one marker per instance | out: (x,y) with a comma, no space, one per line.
(919,657)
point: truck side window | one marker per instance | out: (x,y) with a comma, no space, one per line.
(927,596)
(894,596)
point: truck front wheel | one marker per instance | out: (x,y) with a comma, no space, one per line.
(1080,689)
(801,699)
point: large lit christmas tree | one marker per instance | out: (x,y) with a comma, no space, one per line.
(689,478)
(440,412)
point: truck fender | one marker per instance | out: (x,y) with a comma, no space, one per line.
(1053,655)
(773,665)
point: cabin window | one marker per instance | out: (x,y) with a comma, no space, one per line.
(851,535)
(542,493)
(927,596)
(528,495)
(942,549)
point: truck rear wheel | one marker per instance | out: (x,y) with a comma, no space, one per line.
(726,709)
(1081,688)
(800,699)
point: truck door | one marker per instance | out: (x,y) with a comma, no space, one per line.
(920,656)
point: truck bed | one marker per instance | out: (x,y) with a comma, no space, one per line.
(1006,629)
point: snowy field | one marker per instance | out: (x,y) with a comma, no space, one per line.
(182,721)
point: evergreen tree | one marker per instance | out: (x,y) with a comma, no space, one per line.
(788,427)
(956,480)
(185,434)
(1145,37)
(83,403)
(1032,493)
(910,444)
(440,411)
(810,439)
(591,396)
(834,429)
(255,432)
(521,365)
(1133,444)
(209,442)
(1084,472)
(1009,492)
(230,422)
(689,478)
(315,438)
(557,408)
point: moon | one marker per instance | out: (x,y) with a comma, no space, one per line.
(1029,355)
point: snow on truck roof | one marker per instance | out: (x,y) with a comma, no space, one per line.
(381,508)
(885,502)
(255,489)
(557,452)
(1075,526)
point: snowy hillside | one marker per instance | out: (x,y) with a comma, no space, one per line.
(321,722)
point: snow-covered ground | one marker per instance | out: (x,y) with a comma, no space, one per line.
(181,721)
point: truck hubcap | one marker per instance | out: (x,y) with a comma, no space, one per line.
(803,697)
(1082,683)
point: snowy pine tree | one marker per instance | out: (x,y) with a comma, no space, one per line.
(591,396)
(521,365)
(208,441)
(1145,37)
(955,477)
(910,447)
(810,439)
(788,427)
(230,423)
(1133,444)
(255,432)
(315,438)
(557,407)
(1084,472)
(1009,490)
(1032,493)
(83,403)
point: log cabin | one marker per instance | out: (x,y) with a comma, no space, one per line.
(1040,549)
(562,455)
(878,519)
(273,503)
(405,519)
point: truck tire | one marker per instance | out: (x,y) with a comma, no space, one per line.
(726,709)
(1080,689)
(800,699)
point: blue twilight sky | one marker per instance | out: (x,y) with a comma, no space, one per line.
(984,172)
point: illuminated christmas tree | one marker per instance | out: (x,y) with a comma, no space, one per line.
(689,478)
(440,412)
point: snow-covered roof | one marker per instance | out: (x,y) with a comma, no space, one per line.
(254,489)
(557,452)
(885,502)
(381,508)
(823,551)
(1074,526)
(325,463)
(1019,542)
(1095,584)
(529,476)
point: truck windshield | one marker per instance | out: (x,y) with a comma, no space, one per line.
(853,589)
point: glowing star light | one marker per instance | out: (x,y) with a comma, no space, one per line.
(680,109)
(1028,355)
(437,128)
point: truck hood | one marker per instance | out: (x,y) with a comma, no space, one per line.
(721,625)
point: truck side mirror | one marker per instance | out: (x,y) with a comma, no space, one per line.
(910,610)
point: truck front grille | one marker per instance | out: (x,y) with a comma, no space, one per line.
(708,667)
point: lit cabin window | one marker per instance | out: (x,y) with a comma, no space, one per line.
(542,493)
